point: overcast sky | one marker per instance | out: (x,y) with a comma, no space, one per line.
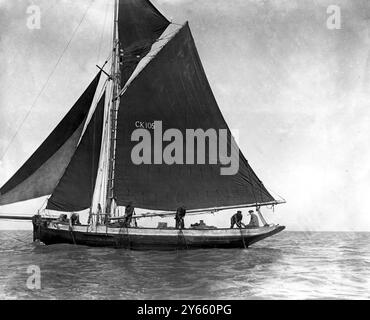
(298,92)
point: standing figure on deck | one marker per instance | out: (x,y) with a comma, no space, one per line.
(129,212)
(99,213)
(75,219)
(236,219)
(180,215)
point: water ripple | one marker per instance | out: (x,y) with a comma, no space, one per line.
(291,265)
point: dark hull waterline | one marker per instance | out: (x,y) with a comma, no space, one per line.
(153,239)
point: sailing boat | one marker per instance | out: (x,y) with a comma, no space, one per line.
(85,164)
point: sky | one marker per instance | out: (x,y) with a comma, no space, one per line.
(297,91)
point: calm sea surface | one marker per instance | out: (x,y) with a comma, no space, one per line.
(291,265)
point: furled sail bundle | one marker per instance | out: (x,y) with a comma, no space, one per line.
(173,88)
(42,172)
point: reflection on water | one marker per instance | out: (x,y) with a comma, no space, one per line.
(287,266)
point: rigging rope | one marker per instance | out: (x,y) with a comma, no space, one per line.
(102,34)
(241,234)
(46,83)
(73,237)
(183,236)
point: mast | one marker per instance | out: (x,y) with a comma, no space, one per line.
(113,114)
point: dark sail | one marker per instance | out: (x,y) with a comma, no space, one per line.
(173,88)
(41,173)
(140,25)
(75,190)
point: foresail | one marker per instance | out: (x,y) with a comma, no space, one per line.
(173,89)
(140,24)
(40,174)
(75,189)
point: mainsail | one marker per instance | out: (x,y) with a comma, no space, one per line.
(41,173)
(140,24)
(74,191)
(173,88)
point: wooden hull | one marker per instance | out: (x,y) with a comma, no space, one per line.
(152,239)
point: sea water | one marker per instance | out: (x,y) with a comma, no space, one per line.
(290,265)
